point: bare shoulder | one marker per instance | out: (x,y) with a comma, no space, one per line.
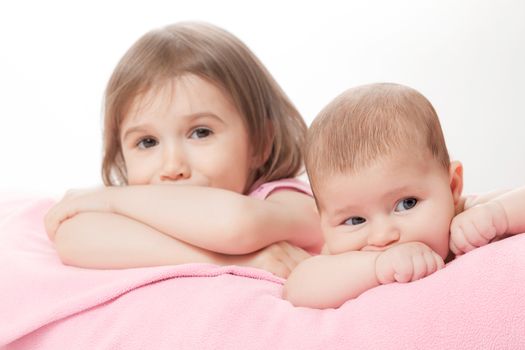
(290,196)
(299,212)
(294,201)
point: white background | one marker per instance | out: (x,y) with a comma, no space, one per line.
(467,57)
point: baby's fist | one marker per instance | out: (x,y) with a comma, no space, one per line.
(477,226)
(407,262)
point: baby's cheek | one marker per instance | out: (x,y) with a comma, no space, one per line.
(341,242)
(441,237)
(434,230)
(330,243)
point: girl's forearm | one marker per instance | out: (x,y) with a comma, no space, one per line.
(109,241)
(327,281)
(219,220)
(205,217)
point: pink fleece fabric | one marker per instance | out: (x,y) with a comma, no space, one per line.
(476,302)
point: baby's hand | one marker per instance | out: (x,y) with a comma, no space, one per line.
(279,258)
(407,262)
(74,202)
(477,226)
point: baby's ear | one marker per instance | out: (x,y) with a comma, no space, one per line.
(456,180)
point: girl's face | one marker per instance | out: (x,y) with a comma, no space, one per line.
(187,132)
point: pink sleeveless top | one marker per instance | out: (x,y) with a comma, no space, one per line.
(264,190)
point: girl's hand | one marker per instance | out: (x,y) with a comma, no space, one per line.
(75,202)
(477,226)
(279,258)
(407,262)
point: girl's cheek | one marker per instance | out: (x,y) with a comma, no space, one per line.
(135,176)
(138,178)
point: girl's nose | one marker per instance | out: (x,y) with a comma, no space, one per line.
(175,165)
(383,235)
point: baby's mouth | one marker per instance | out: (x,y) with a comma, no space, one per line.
(372,248)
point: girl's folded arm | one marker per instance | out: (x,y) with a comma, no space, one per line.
(220,220)
(110,241)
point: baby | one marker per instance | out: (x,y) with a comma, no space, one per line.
(389,197)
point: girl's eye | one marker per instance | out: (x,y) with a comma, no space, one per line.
(355,220)
(200,133)
(147,142)
(406,204)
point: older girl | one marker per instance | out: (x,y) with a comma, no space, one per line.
(201,147)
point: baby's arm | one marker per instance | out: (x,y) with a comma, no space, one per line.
(514,204)
(210,218)
(471,201)
(110,241)
(327,281)
(488,219)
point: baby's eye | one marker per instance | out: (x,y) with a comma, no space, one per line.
(406,204)
(200,133)
(355,220)
(147,142)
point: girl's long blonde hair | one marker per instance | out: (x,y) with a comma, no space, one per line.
(275,127)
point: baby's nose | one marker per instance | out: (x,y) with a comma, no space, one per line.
(383,235)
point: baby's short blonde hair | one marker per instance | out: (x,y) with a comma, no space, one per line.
(368,122)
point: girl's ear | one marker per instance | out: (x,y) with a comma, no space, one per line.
(456,180)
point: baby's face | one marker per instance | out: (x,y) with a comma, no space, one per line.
(189,133)
(395,200)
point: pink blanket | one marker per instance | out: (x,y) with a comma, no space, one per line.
(477,301)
